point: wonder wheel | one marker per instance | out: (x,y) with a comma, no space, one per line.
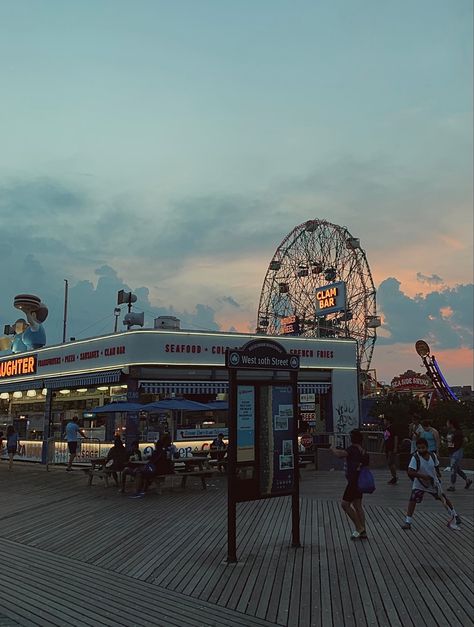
(319,284)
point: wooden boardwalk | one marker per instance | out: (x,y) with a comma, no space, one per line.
(78,555)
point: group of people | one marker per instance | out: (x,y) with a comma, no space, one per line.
(119,459)
(423,470)
(422,429)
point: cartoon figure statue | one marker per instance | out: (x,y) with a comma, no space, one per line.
(27,334)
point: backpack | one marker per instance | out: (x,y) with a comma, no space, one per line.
(366,481)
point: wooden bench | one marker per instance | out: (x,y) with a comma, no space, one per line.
(99,469)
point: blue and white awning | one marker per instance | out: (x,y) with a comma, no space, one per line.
(85,380)
(215,387)
(21,386)
(184,387)
(313,388)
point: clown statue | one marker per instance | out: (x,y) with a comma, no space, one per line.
(27,334)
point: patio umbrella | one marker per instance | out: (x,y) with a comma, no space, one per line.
(175,404)
(116,408)
(218,405)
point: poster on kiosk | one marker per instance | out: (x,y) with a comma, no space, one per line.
(263,444)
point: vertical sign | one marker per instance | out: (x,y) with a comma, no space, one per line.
(245,423)
(284,453)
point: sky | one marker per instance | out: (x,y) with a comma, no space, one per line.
(168,147)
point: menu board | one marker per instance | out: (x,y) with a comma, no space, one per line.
(284,457)
(245,423)
(277,457)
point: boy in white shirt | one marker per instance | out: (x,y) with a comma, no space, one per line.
(424,470)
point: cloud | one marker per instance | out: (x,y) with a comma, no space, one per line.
(230,301)
(408,319)
(434,279)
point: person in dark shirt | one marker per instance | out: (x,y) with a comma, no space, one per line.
(218,451)
(355,457)
(390,446)
(158,464)
(131,470)
(117,459)
(455,446)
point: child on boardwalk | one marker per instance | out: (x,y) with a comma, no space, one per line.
(424,470)
(355,457)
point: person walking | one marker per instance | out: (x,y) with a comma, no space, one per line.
(390,446)
(423,469)
(455,447)
(414,431)
(355,457)
(431,435)
(12,444)
(72,436)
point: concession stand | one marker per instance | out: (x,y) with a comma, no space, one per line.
(41,390)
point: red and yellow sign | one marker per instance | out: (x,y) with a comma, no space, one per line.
(17,366)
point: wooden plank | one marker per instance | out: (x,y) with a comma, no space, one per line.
(113,598)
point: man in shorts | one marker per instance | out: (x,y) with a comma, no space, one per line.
(355,458)
(423,469)
(72,436)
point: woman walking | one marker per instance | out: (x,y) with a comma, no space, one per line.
(12,444)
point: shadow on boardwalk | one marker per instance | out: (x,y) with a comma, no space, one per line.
(75,555)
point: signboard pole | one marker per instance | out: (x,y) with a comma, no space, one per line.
(295,497)
(48,427)
(231,471)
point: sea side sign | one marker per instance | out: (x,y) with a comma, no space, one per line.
(18,366)
(331,298)
(411,381)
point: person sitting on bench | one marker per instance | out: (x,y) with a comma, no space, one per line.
(117,458)
(130,470)
(218,451)
(158,464)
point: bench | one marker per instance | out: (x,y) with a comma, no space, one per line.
(102,473)
(159,480)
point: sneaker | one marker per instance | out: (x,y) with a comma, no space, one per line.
(393,481)
(355,535)
(452,524)
(363,535)
(468,484)
(458,519)
(68,469)
(140,495)
(406,526)
(451,488)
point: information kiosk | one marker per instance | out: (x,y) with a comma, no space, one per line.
(263,443)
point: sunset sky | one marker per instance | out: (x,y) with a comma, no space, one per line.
(170,146)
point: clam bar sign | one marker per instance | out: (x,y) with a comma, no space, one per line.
(18,366)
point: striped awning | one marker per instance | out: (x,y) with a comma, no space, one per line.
(85,380)
(313,388)
(21,386)
(184,387)
(215,387)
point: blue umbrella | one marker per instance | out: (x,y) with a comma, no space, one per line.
(117,407)
(179,404)
(218,405)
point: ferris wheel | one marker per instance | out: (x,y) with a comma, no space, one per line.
(319,284)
